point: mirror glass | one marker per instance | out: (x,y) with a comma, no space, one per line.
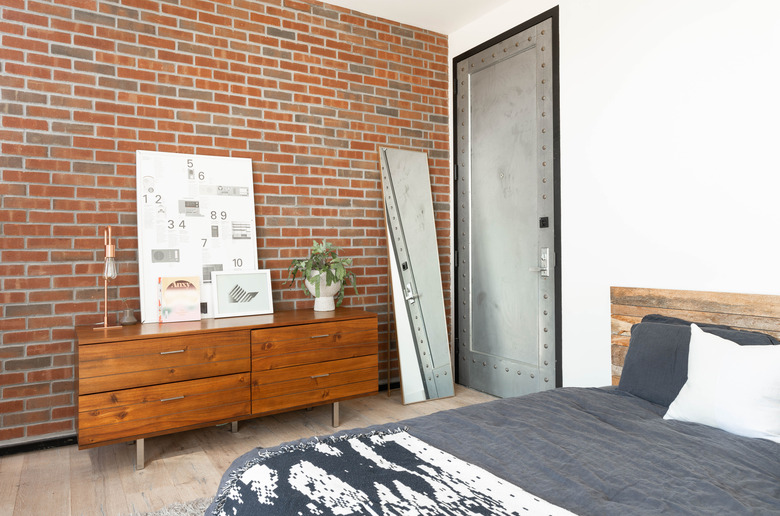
(418,299)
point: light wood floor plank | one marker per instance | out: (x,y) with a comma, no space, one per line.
(93,487)
(179,467)
(42,489)
(150,488)
(10,473)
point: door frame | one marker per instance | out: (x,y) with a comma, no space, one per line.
(553,15)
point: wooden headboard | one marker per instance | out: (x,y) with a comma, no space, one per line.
(742,311)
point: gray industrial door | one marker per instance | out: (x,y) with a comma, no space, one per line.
(506,214)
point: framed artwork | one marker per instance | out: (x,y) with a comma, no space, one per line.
(196,214)
(242,293)
(179,299)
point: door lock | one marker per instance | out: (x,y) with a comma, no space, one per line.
(544,262)
(408,294)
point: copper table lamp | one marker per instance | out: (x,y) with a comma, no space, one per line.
(109,273)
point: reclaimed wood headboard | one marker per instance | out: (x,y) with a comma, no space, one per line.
(755,312)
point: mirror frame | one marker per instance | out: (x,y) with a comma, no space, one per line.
(424,354)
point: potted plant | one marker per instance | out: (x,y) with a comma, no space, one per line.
(324,275)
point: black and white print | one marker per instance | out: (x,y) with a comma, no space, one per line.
(371,474)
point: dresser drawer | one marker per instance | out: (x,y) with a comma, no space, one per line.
(137,363)
(314,356)
(290,380)
(312,343)
(302,386)
(312,398)
(110,417)
(304,337)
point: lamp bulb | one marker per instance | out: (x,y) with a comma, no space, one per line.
(109,271)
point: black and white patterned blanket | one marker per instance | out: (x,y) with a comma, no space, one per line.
(376,473)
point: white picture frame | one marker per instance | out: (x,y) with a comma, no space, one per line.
(196,214)
(237,293)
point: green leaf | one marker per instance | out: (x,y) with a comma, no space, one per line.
(323,259)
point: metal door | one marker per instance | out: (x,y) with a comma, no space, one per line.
(506,215)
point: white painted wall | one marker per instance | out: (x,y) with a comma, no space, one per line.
(670,131)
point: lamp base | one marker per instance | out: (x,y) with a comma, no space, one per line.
(101,327)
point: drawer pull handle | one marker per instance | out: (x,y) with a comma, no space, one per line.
(319,336)
(174,398)
(171,352)
(321,375)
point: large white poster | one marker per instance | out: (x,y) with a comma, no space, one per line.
(196,214)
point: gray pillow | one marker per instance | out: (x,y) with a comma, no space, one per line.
(656,365)
(741,337)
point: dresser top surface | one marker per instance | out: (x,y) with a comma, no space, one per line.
(94,335)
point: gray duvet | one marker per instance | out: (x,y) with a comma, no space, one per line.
(603,451)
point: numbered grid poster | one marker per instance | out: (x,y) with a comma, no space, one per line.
(196,215)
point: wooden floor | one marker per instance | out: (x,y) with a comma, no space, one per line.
(179,467)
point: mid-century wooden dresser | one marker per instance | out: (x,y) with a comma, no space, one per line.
(153,379)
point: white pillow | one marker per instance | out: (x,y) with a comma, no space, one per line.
(731,387)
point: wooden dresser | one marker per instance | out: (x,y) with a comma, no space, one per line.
(153,379)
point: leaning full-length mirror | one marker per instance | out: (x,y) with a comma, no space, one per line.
(418,299)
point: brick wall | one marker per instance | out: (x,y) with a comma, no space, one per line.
(306,90)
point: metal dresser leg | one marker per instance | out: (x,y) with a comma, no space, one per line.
(335,414)
(139,454)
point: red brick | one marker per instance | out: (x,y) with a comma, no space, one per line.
(24,256)
(53,348)
(11,379)
(25,17)
(50,374)
(48,164)
(25,123)
(72,282)
(56,400)
(48,243)
(25,418)
(65,360)
(96,43)
(25,391)
(72,231)
(62,386)
(52,295)
(50,428)
(24,337)
(68,333)
(11,433)
(13,28)
(63,412)
(12,215)
(70,308)
(11,351)
(25,150)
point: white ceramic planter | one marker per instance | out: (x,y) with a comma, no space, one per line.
(324,303)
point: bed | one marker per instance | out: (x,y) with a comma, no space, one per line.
(630,448)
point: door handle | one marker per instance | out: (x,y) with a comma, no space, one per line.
(544,262)
(408,294)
